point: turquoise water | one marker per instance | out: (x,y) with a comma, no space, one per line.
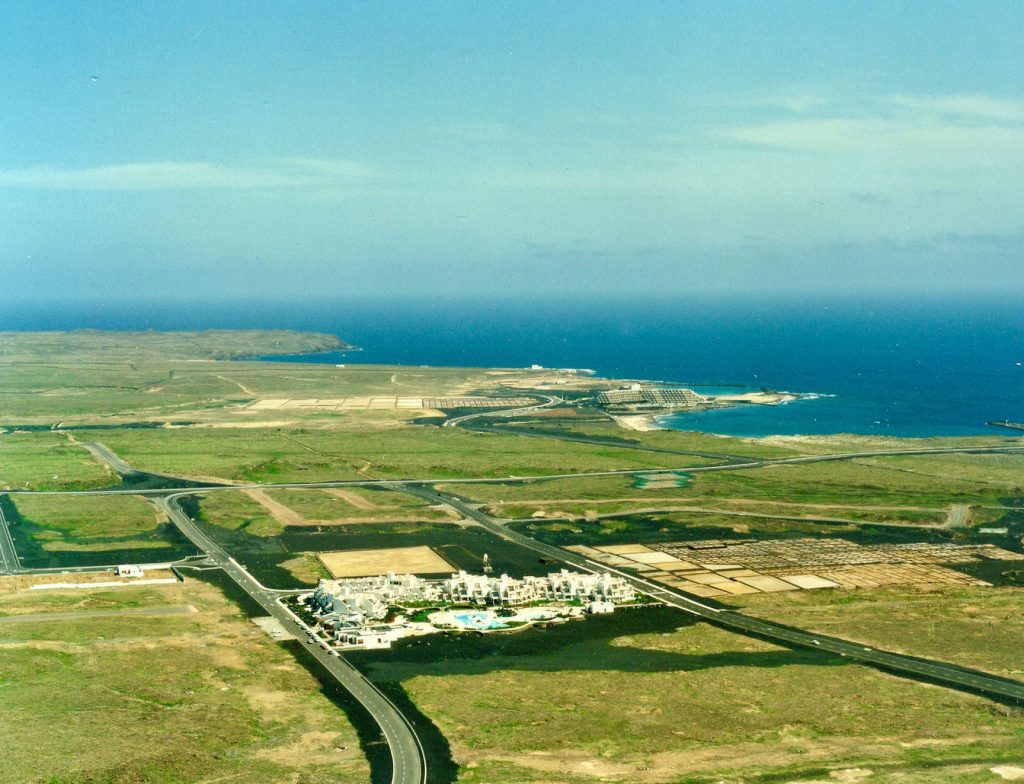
(479,621)
(900,367)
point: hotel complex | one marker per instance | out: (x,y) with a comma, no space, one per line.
(638,397)
(356,611)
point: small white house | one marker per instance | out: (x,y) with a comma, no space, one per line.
(129,570)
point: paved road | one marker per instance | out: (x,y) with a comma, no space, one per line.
(704,510)
(409,765)
(428,481)
(105,455)
(616,443)
(9,562)
(549,400)
(946,674)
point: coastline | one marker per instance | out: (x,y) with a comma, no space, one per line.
(639,422)
(651,421)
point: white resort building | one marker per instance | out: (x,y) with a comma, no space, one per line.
(355,611)
(563,586)
(638,397)
(368,598)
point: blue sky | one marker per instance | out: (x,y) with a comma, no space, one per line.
(281,149)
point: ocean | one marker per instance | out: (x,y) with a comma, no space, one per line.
(883,366)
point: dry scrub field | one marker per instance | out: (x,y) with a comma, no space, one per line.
(703,705)
(973,627)
(134,687)
(403,560)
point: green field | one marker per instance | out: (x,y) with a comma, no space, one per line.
(198,697)
(358,504)
(128,347)
(693,705)
(358,451)
(237,512)
(48,460)
(69,531)
(648,698)
(974,627)
(90,523)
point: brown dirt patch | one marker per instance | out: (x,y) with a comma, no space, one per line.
(354,499)
(365,563)
(11,583)
(310,748)
(283,514)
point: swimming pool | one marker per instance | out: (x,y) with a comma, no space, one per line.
(479,620)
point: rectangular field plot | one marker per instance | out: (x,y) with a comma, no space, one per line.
(366,563)
(767,566)
(623,549)
(386,403)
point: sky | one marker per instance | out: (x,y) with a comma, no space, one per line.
(268,149)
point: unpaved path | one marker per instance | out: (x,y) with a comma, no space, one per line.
(741,501)
(354,499)
(283,514)
(958,517)
(238,384)
(177,609)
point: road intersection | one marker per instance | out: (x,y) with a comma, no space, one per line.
(409,763)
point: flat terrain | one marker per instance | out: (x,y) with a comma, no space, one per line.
(155,692)
(90,522)
(744,566)
(48,460)
(159,685)
(694,705)
(980,628)
(269,512)
(402,560)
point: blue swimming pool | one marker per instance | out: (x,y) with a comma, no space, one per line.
(478,620)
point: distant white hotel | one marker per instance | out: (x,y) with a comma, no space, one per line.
(354,612)
(563,586)
(638,397)
(358,600)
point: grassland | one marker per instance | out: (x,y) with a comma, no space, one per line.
(201,696)
(48,460)
(357,505)
(238,512)
(90,522)
(267,513)
(882,481)
(361,451)
(99,345)
(131,378)
(205,697)
(973,627)
(772,446)
(696,705)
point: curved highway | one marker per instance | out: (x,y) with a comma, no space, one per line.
(9,562)
(922,669)
(1013,448)
(409,764)
(408,760)
(549,400)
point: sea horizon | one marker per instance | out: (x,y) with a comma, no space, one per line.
(880,365)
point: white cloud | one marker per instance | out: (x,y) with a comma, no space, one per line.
(792,100)
(332,166)
(963,106)
(281,173)
(922,127)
